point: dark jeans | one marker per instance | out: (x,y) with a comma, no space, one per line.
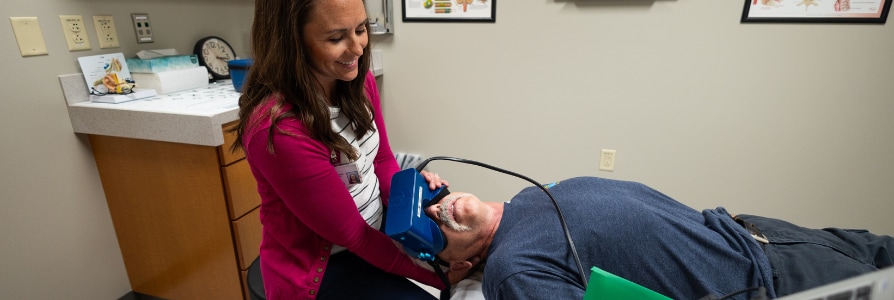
(350,277)
(804,258)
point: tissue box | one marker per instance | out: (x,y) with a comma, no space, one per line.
(173,81)
(162,64)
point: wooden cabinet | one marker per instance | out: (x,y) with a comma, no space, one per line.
(186,216)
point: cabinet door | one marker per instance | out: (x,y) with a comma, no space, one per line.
(166,202)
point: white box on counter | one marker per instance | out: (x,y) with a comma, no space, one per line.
(173,81)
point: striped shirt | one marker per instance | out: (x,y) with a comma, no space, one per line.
(306,210)
(366,193)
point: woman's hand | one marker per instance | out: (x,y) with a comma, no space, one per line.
(434,181)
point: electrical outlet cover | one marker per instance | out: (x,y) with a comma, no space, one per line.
(607,160)
(75,32)
(106,33)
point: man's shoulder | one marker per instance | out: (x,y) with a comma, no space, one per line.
(590,181)
(523,253)
(509,281)
(575,187)
(598,180)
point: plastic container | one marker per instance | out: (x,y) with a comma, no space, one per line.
(238,70)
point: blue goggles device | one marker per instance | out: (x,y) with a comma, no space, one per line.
(406,221)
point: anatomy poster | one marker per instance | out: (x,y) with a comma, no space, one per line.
(828,10)
(449,10)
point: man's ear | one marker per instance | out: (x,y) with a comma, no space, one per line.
(460,266)
(464,265)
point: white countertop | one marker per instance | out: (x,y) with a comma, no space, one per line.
(189,117)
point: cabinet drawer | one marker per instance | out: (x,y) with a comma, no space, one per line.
(247,232)
(245,291)
(226,156)
(242,189)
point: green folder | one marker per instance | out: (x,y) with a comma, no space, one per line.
(607,286)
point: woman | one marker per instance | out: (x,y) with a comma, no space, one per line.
(309,119)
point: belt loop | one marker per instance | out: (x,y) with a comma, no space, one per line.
(753,230)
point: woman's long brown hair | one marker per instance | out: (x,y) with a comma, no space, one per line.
(281,69)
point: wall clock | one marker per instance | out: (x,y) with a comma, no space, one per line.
(214,53)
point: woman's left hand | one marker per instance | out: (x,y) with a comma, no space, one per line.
(434,181)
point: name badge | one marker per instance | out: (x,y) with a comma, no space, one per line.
(349,174)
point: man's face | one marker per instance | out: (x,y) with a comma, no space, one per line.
(460,217)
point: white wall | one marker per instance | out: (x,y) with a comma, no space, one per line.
(790,121)
(782,120)
(56,236)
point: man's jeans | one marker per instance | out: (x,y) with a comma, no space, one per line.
(804,258)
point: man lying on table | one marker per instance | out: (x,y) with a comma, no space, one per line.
(644,236)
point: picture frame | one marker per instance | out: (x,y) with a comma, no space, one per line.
(484,11)
(816,11)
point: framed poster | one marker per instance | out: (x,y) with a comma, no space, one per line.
(450,11)
(816,11)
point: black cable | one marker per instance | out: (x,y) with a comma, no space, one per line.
(445,293)
(580,268)
(95,92)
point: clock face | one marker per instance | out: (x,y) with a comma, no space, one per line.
(214,53)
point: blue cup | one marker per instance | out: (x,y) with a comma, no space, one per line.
(238,70)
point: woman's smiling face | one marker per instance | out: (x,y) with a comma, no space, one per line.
(335,37)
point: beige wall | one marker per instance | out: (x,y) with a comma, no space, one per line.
(783,120)
(791,121)
(57,237)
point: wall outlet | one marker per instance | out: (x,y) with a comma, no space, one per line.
(607,160)
(142,27)
(75,32)
(106,33)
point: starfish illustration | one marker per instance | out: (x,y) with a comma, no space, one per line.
(808,3)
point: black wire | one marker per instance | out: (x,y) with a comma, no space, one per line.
(445,293)
(580,268)
(94,91)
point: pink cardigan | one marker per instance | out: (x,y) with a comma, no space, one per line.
(305,209)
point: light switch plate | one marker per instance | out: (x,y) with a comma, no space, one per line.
(29,36)
(376,64)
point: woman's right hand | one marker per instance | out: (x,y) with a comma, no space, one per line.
(434,180)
